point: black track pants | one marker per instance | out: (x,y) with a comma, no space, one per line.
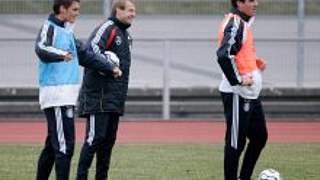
(59,145)
(245,120)
(101,133)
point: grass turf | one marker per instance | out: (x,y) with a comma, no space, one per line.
(170,161)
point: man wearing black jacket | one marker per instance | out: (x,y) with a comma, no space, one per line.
(102,97)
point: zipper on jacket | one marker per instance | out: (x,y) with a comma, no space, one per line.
(101,100)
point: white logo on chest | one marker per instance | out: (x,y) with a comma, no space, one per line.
(118,40)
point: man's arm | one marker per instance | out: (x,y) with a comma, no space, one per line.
(44,46)
(230,46)
(100,41)
(95,61)
(98,45)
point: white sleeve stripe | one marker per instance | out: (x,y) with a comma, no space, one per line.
(226,22)
(96,39)
(232,41)
(50,49)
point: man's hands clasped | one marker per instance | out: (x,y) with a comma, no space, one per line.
(116,72)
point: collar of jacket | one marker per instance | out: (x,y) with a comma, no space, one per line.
(120,24)
(55,20)
(241,14)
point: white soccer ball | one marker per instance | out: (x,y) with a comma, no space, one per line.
(112,57)
(269,174)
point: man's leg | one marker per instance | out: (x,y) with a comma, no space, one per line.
(66,139)
(235,138)
(46,161)
(105,150)
(258,137)
(59,143)
(95,135)
(47,156)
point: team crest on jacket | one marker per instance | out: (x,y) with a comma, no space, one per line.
(69,112)
(246,106)
(118,40)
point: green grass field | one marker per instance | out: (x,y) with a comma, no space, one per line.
(171,161)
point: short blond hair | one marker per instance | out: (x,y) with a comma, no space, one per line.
(118,4)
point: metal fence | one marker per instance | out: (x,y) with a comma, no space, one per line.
(174,41)
(192,7)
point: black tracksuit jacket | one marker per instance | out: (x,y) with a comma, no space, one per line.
(103,93)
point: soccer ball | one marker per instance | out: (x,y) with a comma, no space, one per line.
(112,57)
(269,174)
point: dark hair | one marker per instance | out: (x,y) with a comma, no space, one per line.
(121,4)
(234,3)
(64,3)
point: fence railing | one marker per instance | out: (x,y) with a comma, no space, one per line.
(191,7)
(292,58)
(173,64)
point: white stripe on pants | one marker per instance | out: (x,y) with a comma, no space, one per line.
(235,121)
(60,132)
(91,129)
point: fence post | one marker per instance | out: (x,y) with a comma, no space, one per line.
(166,81)
(107,7)
(300,43)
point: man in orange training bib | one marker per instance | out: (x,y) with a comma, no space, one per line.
(240,88)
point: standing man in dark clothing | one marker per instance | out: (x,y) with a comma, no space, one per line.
(240,89)
(102,97)
(59,57)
